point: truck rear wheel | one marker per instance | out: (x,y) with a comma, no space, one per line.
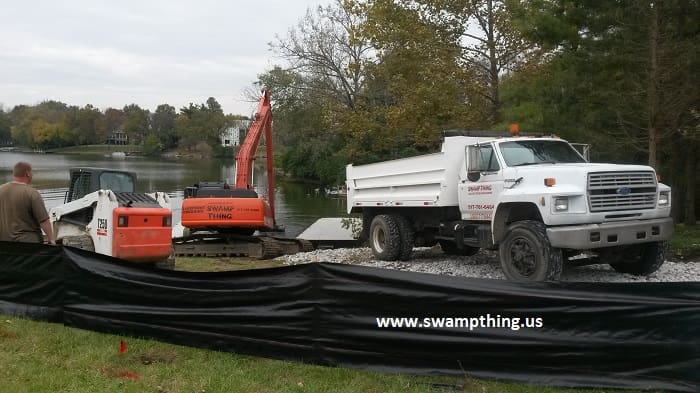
(450,248)
(407,237)
(83,242)
(641,260)
(526,254)
(385,237)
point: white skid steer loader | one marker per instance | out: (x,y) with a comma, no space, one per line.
(103,213)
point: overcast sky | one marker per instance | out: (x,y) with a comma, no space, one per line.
(112,53)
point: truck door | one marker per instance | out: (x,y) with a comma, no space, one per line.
(478,192)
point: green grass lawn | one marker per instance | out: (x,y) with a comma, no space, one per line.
(47,357)
(685,243)
(98,149)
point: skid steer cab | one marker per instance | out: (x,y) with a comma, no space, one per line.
(103,213)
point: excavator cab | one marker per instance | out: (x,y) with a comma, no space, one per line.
(217,190)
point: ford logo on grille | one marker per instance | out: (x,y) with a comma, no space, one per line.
(624,190)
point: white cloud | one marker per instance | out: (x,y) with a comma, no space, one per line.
(144,52)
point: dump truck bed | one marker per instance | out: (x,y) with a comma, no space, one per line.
(427,180)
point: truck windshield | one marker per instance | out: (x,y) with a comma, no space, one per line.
(532,152)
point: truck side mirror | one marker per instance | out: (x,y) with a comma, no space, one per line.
(473,160)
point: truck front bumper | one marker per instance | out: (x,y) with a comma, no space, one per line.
(609,234)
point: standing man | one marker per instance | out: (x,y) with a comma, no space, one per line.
(22,211)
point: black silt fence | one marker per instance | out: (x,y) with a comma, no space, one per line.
(611,335)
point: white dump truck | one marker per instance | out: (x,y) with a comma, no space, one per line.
(536,199)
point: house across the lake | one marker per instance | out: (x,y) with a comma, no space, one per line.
(117,137)
(234,133)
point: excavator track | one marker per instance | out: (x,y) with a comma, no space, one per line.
(216,245)
(270,248)
(305,245)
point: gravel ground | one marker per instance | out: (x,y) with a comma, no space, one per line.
(485,264)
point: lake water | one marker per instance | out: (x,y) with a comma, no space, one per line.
(296,205)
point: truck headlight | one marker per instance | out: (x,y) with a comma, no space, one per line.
(561,204)
(663,199)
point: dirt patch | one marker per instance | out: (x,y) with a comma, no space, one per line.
(6,333)
(118,373)
(157,357)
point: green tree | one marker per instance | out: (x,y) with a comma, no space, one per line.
(81,126)
(296,109)
(626,72)
(163,125)
(215,122)
(89,119)
(200,124)
(42,125)
(19,120)
(417,86)
(303,145)
(112,120)
(325,46)
(46,134)
(137,123)
(367,81)
(490,46)
(152,145)
(5,128)
(189,125)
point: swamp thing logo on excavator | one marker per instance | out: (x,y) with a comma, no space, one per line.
(220,212)
(227,212)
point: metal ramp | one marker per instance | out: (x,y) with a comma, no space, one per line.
(333,232)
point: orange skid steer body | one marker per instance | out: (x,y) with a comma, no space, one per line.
(142,234)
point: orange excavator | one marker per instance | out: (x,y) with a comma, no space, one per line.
(221,218)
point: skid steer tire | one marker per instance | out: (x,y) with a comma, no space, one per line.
(385,237)
(83,242)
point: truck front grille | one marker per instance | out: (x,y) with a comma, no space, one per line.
(615,191)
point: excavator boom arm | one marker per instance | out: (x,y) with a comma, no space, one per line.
(262,123)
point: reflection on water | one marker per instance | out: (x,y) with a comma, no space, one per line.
(297,205)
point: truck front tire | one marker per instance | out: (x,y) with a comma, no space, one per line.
(526,254)
(640,260)
(385,237)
